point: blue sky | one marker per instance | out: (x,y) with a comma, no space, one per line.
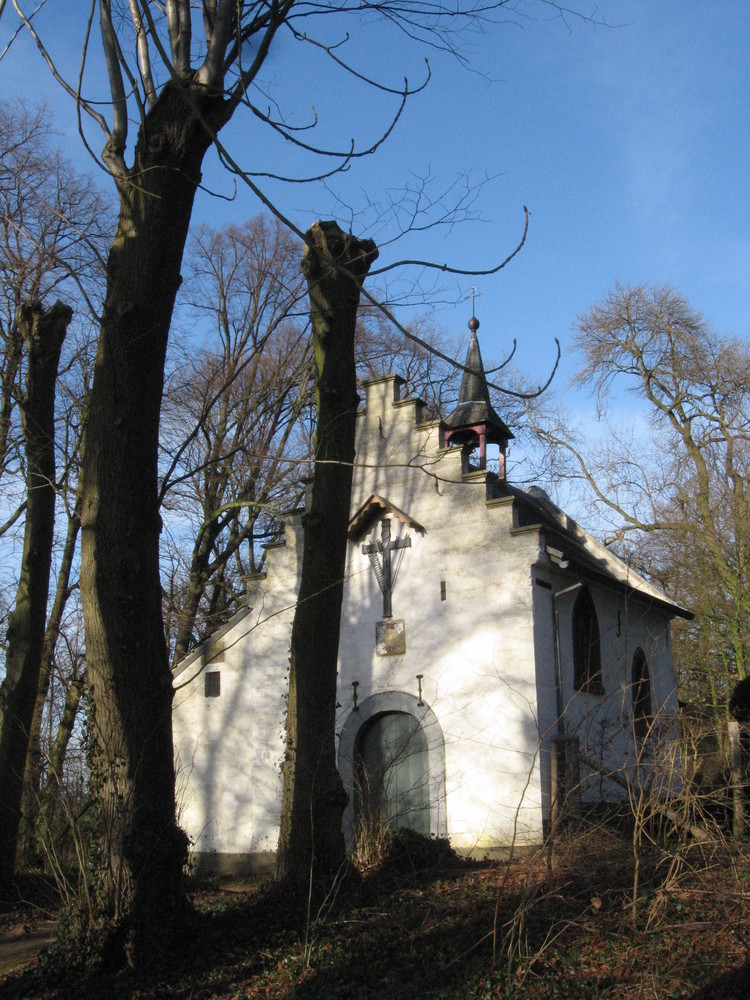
(630,144)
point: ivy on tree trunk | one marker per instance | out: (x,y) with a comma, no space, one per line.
(313,801)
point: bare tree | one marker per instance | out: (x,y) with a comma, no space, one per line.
(678,474)
(381,349)
(313,798)
(230,424)
(236,418)
(43,332)
(191,68)
(51,225)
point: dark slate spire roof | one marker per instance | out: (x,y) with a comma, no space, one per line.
(474,406)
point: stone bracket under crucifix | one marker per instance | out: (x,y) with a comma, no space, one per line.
(379,554)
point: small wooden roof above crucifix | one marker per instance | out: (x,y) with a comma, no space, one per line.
(373,509)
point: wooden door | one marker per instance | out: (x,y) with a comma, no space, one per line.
(393,772)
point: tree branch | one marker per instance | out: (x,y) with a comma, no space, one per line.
(117,140)
(144,55)
(95,115)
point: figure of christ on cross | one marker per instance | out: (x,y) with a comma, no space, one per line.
(380,557)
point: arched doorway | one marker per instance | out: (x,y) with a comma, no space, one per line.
(393,743)
(392,773)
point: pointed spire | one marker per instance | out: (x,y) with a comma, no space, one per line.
(474,382)
(474,407)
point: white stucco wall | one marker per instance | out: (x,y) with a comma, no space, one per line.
(228,749)
(603,723)
(474,649)
(485,653)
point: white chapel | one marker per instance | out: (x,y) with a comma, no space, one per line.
(491,652)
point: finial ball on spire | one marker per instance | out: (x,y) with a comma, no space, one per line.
(473,324)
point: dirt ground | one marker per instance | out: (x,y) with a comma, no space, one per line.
(22,942)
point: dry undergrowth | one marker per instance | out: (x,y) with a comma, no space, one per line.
(424,924)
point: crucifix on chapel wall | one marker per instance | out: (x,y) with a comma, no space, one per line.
(379,554)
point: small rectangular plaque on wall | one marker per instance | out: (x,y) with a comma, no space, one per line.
(390,638)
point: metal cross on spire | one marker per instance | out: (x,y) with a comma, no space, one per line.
(474,296)
(380,558)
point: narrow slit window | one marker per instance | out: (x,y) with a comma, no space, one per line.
(641,695)
(587,656)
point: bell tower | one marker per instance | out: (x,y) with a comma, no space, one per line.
(474,421)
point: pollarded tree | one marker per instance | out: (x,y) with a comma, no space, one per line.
(42,332)
(311,842)
(51,226)
(681,476)
(313,798)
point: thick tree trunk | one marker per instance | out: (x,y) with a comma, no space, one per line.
(132,775)
(43,333)
(313,802)
(32,775)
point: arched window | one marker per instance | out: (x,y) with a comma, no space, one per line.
(641,694)
(587,657)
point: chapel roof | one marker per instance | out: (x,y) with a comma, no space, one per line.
(569,544)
